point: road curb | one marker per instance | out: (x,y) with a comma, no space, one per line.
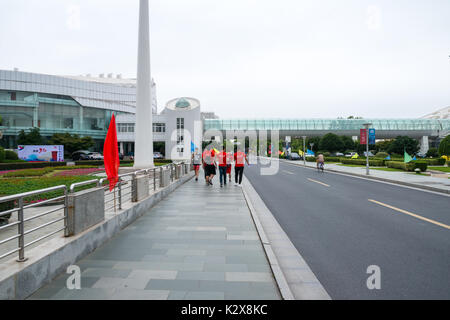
(282,254)
(280,279)
(407,184)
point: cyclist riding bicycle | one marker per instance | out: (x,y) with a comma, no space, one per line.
(320,161)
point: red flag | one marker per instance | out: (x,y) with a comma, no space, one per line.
(111,154)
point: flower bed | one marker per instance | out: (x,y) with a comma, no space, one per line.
(78,172)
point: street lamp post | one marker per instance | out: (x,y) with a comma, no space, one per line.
(304,151)
(366,126)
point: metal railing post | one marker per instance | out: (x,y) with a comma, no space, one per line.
(119,191)
(154,179)
(66,212)
(21,231)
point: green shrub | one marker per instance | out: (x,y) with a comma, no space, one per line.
(330,159)
(422,165)
(409,166)
(2,154)
(434,161)
(372,162)
(29,165)
(28,172)
(381,155)
(11,155)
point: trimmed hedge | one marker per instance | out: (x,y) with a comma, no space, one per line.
(2,154)
(372,162)
(434,162)
(97,162)
(331,159)
(29,165)
(422,165)
(409,166)
(11,155)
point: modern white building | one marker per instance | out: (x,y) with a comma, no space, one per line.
(178,124)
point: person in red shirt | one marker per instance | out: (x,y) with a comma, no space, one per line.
(239,158)
(229,162)
(209,164)
(223,167)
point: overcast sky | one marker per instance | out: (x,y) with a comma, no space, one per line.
(249,58)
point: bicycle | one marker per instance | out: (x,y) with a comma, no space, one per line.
(320,166)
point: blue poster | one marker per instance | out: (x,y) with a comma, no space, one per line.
(371,136)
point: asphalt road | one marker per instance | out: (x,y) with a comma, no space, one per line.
(339,232)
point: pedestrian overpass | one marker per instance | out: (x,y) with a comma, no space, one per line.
(385,128)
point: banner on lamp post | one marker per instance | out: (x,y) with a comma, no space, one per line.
(362,136)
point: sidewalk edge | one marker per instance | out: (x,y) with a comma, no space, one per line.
(280,279)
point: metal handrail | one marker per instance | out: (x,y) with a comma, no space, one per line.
(98,183)
(83,183)
(21,219)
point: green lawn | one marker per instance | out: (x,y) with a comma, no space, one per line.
(443,169)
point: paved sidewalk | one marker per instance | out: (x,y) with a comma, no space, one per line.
(198,243)
(406,177)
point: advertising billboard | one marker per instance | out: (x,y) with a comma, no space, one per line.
(41,153)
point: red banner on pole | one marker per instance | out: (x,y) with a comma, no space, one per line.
(111,154)
(362,136)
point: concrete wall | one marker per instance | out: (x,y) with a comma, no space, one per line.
(85,209)
(47,261)
(141,187)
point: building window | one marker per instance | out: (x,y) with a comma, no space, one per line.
(180,123)
(159,127)
(125,127)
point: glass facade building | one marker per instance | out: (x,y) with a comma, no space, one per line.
(54,104)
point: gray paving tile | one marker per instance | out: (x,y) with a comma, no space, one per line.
(105,272)
(136,294)
(121,283)
(206,295)
(225,267)
(248,276)
(177,285)
(177,295)
(201,275)
(153,274)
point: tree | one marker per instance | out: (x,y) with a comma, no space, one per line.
(71,142)
(444,146)
(347,143)
(316,141)
(32,138)
(330,142)
(404,143)
(432,153)
(383,146)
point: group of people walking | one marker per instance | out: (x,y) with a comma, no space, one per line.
(210,160)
